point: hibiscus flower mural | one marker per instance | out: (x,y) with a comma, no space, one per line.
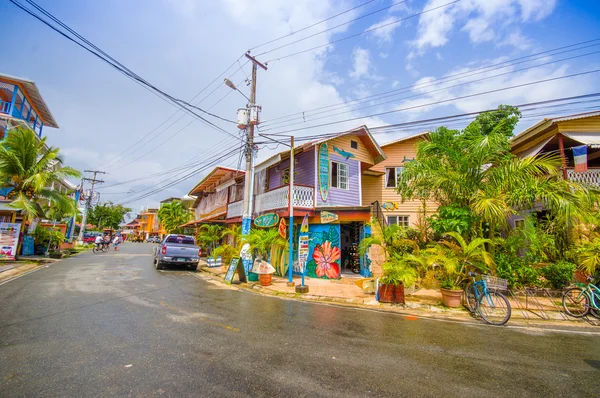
(325,257)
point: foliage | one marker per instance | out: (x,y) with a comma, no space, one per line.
(172,215)
(261,240)
(516,271)
(396,271)
(227,252)
(234,232)
(559,274)
(30,169)
(452,219)
(209,235)
(107,215)
(48,237)
(533,241)
(588,256)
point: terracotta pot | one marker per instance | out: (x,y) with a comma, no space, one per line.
(387,293)
(451,298)
(265,279)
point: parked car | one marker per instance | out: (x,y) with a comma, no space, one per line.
(90,237)
(177,250)
(153,239)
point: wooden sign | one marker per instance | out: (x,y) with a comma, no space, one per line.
(282,228)
(266,220)
(233,266)
(324,171)
(327,217)
(302,247)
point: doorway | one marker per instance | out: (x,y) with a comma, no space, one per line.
(349,241)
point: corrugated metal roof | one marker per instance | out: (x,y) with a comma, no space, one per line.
(33,95)
(215,175)
(410,137)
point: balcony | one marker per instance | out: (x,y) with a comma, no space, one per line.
(278,198)
(235,209)
(589,177)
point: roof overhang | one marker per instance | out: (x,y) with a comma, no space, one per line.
(212,179)
(422,135)
(33,95)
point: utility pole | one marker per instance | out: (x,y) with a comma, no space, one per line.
(249,180)
(88,200)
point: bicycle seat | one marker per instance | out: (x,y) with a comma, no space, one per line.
(472,273)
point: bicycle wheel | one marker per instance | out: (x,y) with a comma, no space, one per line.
(470,298)
(494,308)
(576,302)
(105,248)
(94,249)
(595,304)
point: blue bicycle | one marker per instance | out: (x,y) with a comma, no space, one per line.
(484,298)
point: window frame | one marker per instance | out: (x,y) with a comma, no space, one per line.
(337,176)
(520,221)
(396,175)
(405,219)
(283,172)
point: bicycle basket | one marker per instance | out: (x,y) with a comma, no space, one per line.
(493,282)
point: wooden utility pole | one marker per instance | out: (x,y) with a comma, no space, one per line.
(88,200)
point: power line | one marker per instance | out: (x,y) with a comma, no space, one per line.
(313,25)
(443,101)
(335,27)
(445,79)
(364,32)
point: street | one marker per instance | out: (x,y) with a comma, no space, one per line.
(112,325)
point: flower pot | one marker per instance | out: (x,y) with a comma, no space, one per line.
(399,294)
(387,293)
(451,298)
(265,279)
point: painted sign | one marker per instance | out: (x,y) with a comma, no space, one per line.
(324,171)
(282,228)
(327,217)
(231,270)
(391,205)
(246,257)
(9,240)
(266,220)
(324,255)
(302,247)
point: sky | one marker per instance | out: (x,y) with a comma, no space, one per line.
(432,58)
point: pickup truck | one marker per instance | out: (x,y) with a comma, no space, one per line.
(177,250)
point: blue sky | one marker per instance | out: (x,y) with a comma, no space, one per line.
(182,45)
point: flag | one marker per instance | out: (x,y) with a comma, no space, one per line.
(580,158)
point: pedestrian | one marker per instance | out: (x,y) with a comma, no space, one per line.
(116,242)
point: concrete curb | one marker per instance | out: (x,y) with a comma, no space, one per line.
(412,311)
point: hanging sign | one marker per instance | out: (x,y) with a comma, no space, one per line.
(266,220)
(327,217)
(282,228)
(9,240)
(302,247)
(324,171)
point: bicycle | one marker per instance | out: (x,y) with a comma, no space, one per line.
(102,247)
(581,300)
(483,297)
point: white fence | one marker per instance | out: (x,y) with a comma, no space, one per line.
(278,199)
(591,176)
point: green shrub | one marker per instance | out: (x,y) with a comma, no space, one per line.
(452,219)
(516,271)
(559,274)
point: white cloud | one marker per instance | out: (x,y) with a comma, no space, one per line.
(385,28)
(362,62)
(395,83)
(383,55)
(438,56)
(517,40)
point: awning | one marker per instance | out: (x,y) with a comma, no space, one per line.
(535,149)
(584,137)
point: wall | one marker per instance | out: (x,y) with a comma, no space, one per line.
(343,143)
(304,170)
(343,197)
(325,240)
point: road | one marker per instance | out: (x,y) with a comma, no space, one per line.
(111,325)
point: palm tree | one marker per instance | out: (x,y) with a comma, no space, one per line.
(262,240)
(209,235)
(28,168)
(173,215)
(234,232)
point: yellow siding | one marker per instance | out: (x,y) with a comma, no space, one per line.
(374,187)
(343,143)
(585,124)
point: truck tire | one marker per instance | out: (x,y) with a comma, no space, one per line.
(159,265)
(193,267)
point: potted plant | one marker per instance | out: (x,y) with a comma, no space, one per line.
(397,273)
(262,240)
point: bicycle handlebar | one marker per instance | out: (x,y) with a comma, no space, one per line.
(472,273)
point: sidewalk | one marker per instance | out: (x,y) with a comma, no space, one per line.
(421,304)
(14,269)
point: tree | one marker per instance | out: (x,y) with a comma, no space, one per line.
(28,168)
(107,215)
(172,215)
(209,235)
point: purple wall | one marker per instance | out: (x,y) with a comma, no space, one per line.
(343,197)
(304,170)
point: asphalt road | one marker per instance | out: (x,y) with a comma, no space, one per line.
(112,325)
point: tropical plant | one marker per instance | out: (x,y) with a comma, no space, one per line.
(588,254)
(107,215)
(50,238)
(262,240)
(234,233)
(28,168)
(397,270)
(559,274)
(173,215)
(452,219)
(209,235)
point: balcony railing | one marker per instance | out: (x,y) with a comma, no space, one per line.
(590,177)
(235,209)
(5,107)
(278,198)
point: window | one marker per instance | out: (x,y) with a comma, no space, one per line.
(339,175)
(391,176)
(353,144)
(519,223)
(285,177)
(180,239)
(403,221)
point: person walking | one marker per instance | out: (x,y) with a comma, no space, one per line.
(116,242)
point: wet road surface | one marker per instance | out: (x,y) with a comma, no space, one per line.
(111,325)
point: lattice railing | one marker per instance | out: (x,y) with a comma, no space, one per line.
(278,199)
(590,177)
(304,197)
(235,209)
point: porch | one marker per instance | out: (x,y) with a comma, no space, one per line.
(274,199)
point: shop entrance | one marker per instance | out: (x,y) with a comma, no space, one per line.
(349,241)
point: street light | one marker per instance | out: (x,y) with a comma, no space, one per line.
(232,86)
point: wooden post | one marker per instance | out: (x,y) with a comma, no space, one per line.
(561,146)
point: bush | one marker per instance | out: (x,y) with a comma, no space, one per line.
(452,219)
(516,271)
(559,274)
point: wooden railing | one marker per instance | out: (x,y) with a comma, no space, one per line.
(590,177)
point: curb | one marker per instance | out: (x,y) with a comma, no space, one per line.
(413,311)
